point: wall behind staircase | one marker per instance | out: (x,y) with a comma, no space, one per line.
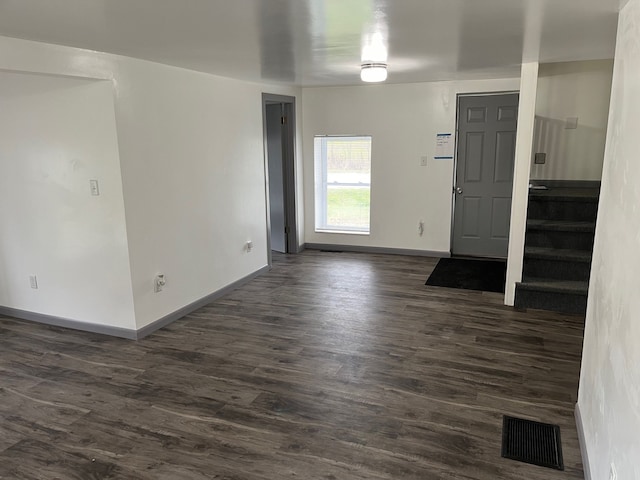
(609,397)
(566,90)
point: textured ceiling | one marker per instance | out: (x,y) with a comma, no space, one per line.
(315,42)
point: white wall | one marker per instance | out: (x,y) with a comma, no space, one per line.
(191,147)
(566,90)
(403,120)
(609,397)
(520,196)
(192,161)
(56,134)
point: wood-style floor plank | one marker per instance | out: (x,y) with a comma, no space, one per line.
(338,366)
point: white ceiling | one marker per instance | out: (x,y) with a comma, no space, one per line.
(320,42)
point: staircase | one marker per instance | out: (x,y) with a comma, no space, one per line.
(558,247)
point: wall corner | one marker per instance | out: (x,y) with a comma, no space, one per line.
(522,167)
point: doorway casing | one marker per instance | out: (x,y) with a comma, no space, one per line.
(288,170)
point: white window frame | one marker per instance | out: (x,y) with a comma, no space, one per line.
(322,185)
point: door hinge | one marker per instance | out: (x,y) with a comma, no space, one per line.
(286,230)
(283,120)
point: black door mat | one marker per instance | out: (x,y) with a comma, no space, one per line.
(532,442)
(469,274)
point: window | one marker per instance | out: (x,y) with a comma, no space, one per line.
(343,183)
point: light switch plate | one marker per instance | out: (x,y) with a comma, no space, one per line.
(540,158)
(95,187)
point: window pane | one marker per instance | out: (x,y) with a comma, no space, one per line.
(348,207)
(343,179)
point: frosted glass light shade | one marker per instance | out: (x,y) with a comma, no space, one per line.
(373,72)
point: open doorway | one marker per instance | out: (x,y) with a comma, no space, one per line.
(279,148)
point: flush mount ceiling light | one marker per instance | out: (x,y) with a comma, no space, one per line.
(373,72)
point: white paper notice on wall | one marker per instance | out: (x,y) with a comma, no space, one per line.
(444,146)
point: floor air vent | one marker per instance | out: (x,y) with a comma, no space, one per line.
(532,442)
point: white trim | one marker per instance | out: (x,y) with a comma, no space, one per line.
(321,184)
(583,444)
(331,247)
(344,232)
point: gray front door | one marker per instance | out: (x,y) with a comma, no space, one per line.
(484,174)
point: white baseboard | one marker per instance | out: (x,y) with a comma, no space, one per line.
(124,332)
(68,323)
(583,444)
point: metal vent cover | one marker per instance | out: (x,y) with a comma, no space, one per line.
(532,442)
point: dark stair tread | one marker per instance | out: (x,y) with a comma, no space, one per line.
(558,286)
(561,226)
(557,254)
(589,195)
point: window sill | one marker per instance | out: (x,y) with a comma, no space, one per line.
(343,232)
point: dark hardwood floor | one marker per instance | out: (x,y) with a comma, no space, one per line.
(335,366)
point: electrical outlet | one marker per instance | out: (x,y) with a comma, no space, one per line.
(159,283)
(423,161)
(33,281)
(249,246)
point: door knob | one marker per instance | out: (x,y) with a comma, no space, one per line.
(459,191)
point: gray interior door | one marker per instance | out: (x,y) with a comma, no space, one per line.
(276,178)
(484,174)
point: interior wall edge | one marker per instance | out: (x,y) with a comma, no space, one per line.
(583,444)
(521,175)
(76,76)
